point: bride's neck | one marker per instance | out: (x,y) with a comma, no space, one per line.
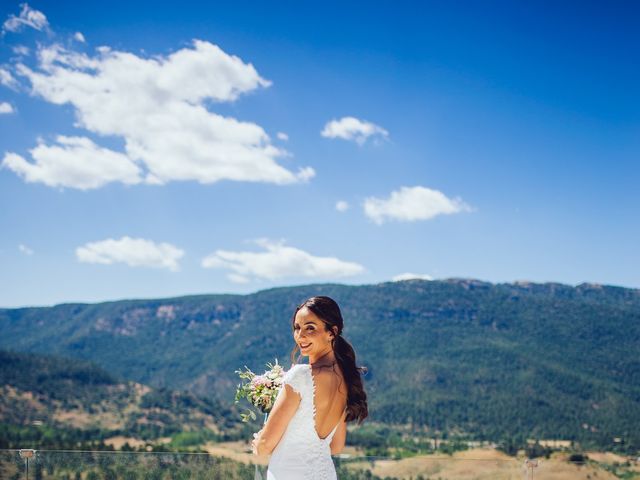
(324,359)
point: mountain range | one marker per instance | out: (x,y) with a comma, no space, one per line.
(489,361)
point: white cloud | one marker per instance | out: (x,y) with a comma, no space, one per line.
(282,136)
(135,252)
(342,206)
(6,108)
(28,18)
(78,36)
(75,162)
(235,278)
(411,276)
(7,79)
(277,261)
(20,50)
(24,249)
(350,128)
(411,204)
(157,106)
(305,174)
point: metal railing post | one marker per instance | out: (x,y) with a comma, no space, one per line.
(27,454)
(530,464)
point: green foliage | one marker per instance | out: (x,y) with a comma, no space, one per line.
(578,458)
(536,450)
(184,440)
(17,436)
(60,378)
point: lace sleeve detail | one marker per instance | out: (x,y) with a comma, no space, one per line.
(294,377)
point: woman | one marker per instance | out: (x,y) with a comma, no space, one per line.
(327,392)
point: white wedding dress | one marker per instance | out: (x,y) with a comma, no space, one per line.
(301,454)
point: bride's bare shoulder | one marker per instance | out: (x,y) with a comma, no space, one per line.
(328,381)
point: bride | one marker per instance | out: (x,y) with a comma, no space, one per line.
(308,421)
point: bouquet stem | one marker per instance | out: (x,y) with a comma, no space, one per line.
(257,475)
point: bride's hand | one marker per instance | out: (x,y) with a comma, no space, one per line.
(254,443)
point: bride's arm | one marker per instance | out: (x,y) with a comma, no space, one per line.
(283,410)
(339,438)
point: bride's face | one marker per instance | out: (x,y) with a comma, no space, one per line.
(310,334)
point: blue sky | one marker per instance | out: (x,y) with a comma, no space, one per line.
(142,149)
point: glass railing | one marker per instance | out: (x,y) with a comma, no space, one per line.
(12,465)
(109,465)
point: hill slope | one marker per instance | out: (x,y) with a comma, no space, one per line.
(494,360)
(49,396)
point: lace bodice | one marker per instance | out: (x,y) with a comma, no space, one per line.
(301,453)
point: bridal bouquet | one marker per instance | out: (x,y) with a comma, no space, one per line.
(259,390)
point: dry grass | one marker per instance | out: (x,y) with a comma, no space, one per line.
(119,441)
(605,457)
(74,419)
(558,468)
(238,451)
(471,464)
(481,464)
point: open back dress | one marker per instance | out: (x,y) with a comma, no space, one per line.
(301,453)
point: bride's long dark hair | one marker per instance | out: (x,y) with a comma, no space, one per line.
(327,310)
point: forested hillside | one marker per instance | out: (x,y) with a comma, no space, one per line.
(495,361)
(60,402)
